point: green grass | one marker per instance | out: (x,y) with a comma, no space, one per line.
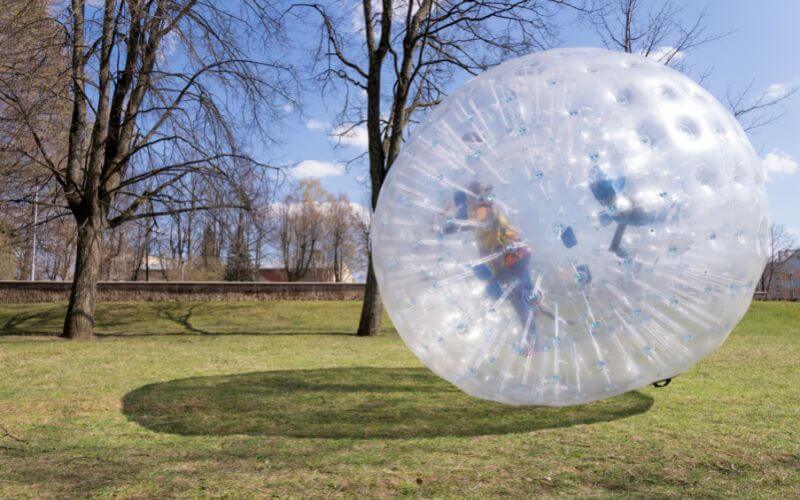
(262,399)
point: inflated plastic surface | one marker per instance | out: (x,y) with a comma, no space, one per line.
(568,226)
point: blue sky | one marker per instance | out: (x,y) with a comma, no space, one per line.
(762,48)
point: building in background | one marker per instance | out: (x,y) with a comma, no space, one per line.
(318,275)
(786,282)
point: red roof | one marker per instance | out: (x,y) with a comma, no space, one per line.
(271,274)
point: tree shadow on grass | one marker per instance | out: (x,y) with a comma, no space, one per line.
(184,319)
(35,323)
(354,403)
(49,322)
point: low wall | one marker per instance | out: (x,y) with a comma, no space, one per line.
(159,291)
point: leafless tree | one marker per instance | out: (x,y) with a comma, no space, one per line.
(400,55)
(30,85)
(781,250)
(652,29)
(342,248)
(212,240)
(657,30)
(300,229)
(158,94)
(7,257)
(239,266)
(755,110)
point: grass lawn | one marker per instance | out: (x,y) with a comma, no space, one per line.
(276,398)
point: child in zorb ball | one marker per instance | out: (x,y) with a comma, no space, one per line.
(659,196)
(505,258)
(618,208)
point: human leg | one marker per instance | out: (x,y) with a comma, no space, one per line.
(617,240)
(525,300)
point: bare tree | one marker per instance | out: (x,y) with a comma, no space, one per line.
(30,86)
(755,110)
(239,266)
(654,30)
(210,248)
(7,260)
(342,239)
(300,229)
(403,54)
(781,251)
(158,93)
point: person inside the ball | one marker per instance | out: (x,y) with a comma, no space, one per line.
(509,258)
(619,208)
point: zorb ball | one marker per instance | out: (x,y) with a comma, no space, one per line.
(568,226)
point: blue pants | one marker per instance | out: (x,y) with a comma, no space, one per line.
(523,299)
(633,217)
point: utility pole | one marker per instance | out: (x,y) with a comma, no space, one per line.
(147,252)
(35,222)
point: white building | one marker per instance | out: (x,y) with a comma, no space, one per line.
(786,281)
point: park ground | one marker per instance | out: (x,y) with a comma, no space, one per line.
(279,398)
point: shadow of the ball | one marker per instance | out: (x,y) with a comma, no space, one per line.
(354,403)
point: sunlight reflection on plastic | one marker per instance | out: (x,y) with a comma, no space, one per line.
(569,226)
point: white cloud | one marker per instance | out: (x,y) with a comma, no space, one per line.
(348,134)
(778,89)
(168,46)
(357,18)
(316,168)
(778,162)
(660,54)
(314,124)
(361,212)
(398,13)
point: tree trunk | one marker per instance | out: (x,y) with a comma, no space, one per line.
(372,308)
(79,323)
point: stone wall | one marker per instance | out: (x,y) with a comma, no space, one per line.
(158,291)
